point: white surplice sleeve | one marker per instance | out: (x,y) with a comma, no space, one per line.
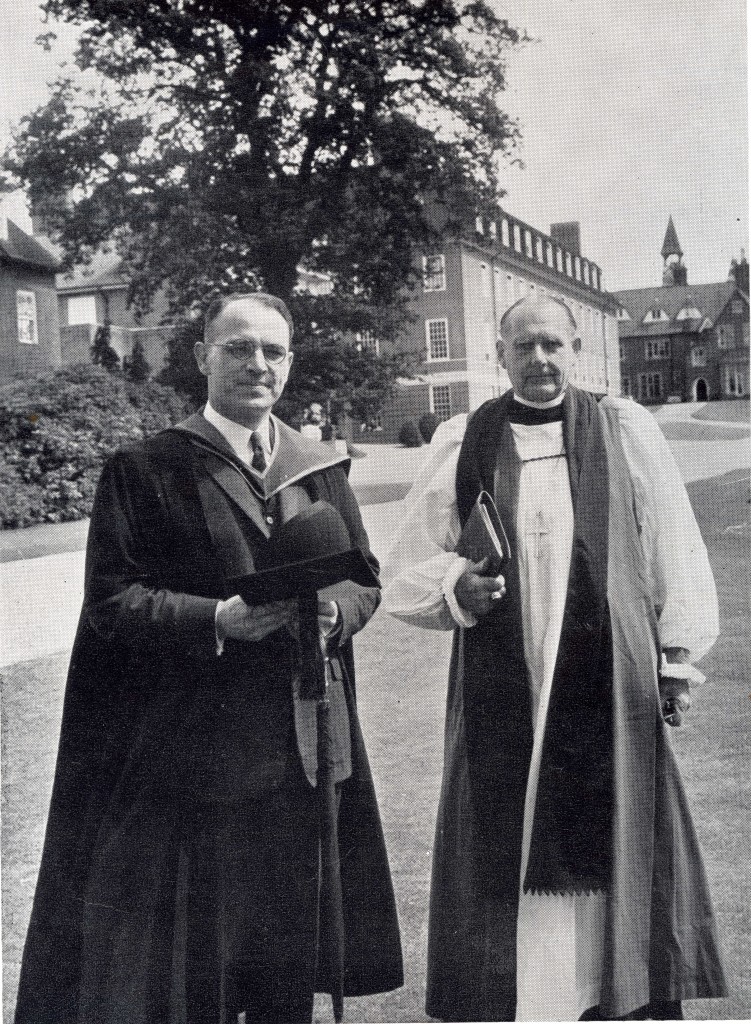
(421,568)
(683,587)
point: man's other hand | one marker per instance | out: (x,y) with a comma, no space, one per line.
(250,623)
(476,592)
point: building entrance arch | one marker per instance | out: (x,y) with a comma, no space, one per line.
(701,390)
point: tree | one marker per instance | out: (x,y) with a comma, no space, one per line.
(102,352)
(136,367)
(224,145)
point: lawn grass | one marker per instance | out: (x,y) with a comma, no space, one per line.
(734,411)
(402,678)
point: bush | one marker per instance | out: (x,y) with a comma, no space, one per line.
(57,430)
(409,435)
(428,424)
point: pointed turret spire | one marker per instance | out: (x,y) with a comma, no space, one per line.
(671,246)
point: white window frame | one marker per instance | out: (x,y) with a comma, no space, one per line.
(367,340)
(646,385)
(428,323)
(726,337)
(733,381)
(81,309)
(26,314)
(439,275)
(446,390)
(656,348)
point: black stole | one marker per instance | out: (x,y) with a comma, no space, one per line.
(571,836)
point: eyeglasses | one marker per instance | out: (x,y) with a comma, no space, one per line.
(273,355)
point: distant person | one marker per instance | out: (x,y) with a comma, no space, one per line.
(313,422)
(567,878)
(181,880)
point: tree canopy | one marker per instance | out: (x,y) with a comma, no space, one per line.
(223,145)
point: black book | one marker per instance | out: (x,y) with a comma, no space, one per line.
(483,536)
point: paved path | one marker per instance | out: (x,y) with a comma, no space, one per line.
(41,592)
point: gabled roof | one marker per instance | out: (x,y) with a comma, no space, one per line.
(104,271)
(19,247)
(671,246)
(709,299)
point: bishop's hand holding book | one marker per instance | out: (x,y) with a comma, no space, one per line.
(484,543)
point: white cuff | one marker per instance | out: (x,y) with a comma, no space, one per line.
(681,670)
(219,639)
(460,615)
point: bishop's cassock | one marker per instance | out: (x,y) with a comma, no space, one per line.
(540,944)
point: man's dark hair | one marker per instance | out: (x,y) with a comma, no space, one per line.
(219,304)
(547,298)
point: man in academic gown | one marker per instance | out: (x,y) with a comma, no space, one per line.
(180,881)
(567,879)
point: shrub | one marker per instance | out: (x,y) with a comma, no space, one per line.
(409,435)
(57,430)
(428,424)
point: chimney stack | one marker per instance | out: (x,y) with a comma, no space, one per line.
(568,236)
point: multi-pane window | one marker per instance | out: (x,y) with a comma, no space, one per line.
(698,356)
(657,348)
(733,381)
(437,337)
(26,314)
(726,336)
(622,351)
(650,386)
(626,386)
(434,273)
(440,400)
(367,340)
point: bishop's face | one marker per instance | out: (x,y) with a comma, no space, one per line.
(246,359)
(539,349)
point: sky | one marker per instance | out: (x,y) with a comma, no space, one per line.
(630,111)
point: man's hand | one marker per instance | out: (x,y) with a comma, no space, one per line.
(476,592)
(675,694)
(240,621)
(328,616)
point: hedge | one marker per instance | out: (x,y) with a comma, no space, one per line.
(57,430)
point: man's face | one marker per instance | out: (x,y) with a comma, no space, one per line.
(245,389)
(538,350)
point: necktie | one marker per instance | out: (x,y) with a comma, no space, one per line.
(258,461)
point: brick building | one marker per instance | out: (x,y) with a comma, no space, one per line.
(685,342)
(466,286)
(29,333)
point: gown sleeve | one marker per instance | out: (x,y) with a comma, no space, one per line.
(421,567)
(683,586)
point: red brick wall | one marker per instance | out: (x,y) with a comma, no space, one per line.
(16,358)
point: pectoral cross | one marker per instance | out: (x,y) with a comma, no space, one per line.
(538,532)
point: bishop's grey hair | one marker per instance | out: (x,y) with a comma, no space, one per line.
(548,298)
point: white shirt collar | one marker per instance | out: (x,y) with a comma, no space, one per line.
(237,436)
(540,405)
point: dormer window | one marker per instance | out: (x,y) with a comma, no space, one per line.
(655,315)
(622,314)
(689,313)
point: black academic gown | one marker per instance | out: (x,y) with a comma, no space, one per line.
(180,879)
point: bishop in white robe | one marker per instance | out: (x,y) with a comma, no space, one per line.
(551,950)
